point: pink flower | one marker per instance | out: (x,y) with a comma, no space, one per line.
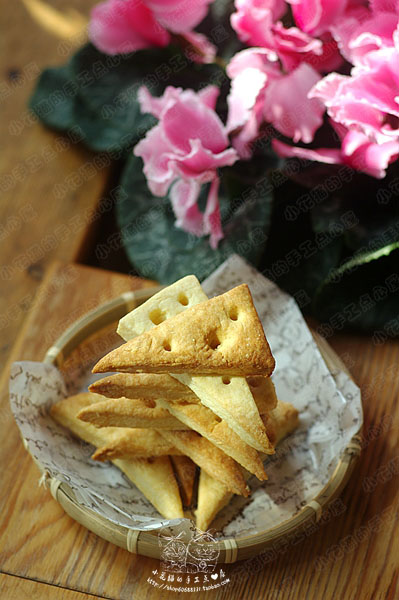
(184,151)
(260,92)
(317,16)
(363,107)
(254,18)
(178,16)
(293,46)
(121,26)
(368,100)
(357,151)
(362,30)
(385,5)
(255,24)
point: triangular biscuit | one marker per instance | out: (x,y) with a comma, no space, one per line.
(281,421)
(129,412)
(210,458)
(212,497)
(202,420)
(213,494)
(141,385)
(135,443)
(170,301)
(154,477)
(264,393)
(182,403)
(173,299)
(228,398)
(221,336)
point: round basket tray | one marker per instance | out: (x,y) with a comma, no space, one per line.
(146,542)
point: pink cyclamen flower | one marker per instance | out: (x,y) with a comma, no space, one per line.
(184,151)
(121,26)
(362,30)
(317,16)
(368,100)
(253,19)
(256,25)
(261,93)
(364,111)
(357,151)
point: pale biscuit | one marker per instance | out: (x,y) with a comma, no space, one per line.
(221,336)
(264,393)
(135,443)
(184,405)
(212,497)
(202,420)
(130,412)
(210,458)
(170,301)
(211,393)
(212,494)
(231,399)
(140,385)
(154,477)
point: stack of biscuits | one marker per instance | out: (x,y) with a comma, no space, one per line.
(191,407)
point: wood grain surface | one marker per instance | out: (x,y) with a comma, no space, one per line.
(25,589)
(49,198)
(351,555)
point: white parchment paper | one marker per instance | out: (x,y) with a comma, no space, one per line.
(329,405)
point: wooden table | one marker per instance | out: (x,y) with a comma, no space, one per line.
(43,552)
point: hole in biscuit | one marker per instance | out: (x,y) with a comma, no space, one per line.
(182,298)
(157,316)
(213,340)
(226,380)
(233,314)
(218,419)
(166,346)
(149,402)
(254,382)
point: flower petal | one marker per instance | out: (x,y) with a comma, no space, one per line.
(184,197)
(209,96)
(122,26)
(245,89)
(201,163)
(179,16)
(157,105)
(288,107)
(212,223)
(362,154)
(330,156)
(188,119)
(155,150)
(316,16)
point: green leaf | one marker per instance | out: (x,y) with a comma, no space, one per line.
(338,251)
(363,293)
(159,250)
(95,95)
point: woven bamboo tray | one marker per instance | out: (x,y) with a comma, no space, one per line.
(146,542)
